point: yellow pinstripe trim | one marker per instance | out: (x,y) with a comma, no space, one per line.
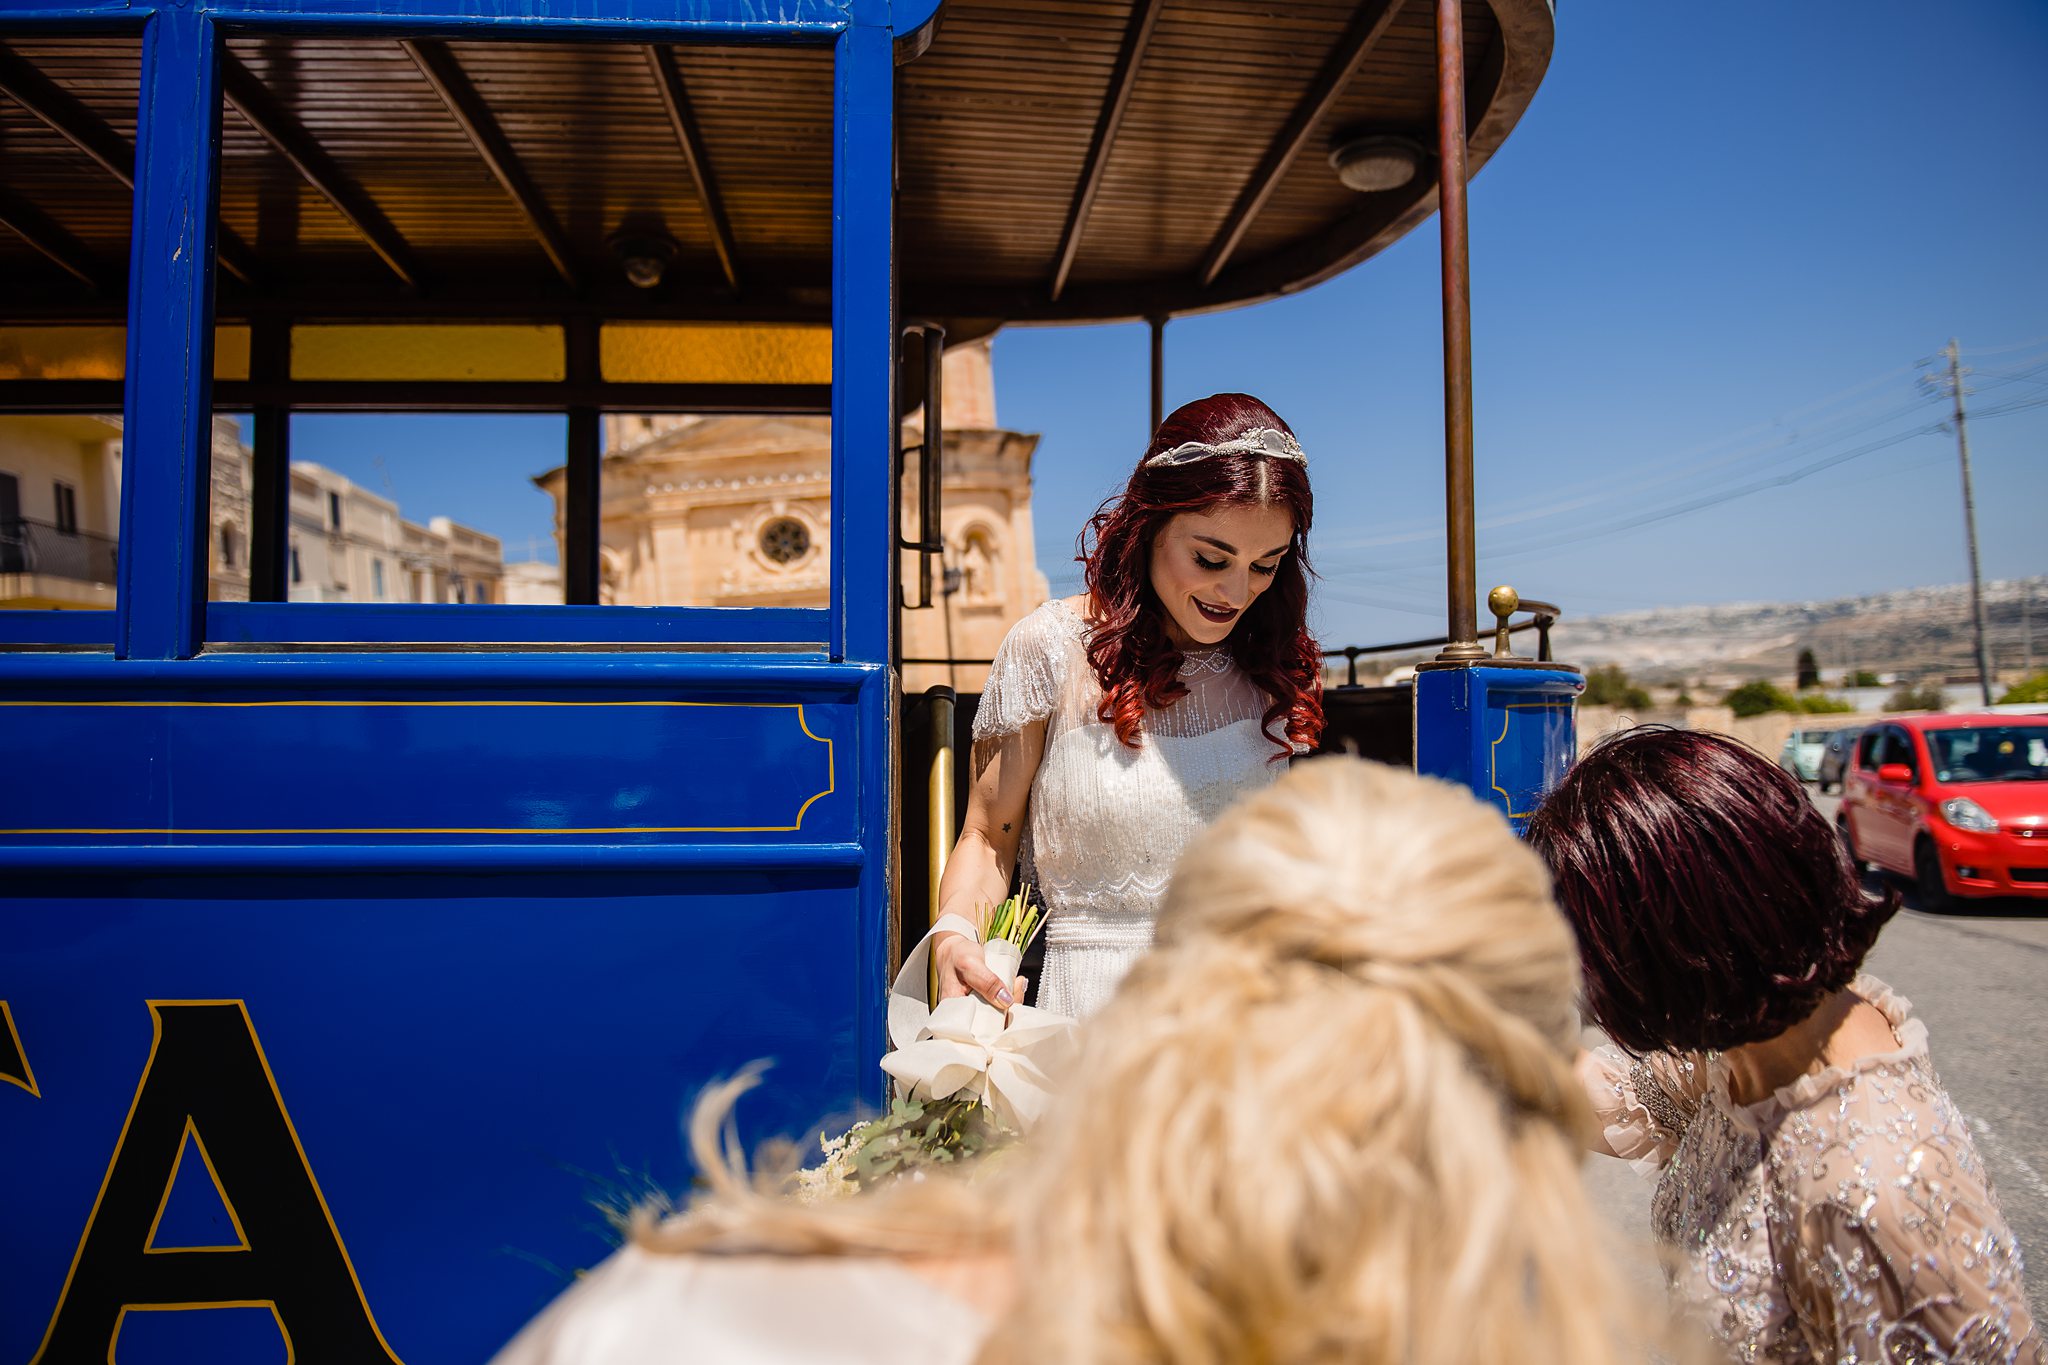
(149,1246)
(1493,750)
(803,723)
(27,1079)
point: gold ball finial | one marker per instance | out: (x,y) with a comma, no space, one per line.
(1502,602)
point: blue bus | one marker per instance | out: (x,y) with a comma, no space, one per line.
(354,953)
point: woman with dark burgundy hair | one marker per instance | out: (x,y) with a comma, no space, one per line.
(1820,1191)
(1116,724)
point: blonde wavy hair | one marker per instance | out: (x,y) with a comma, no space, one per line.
(1331,1116)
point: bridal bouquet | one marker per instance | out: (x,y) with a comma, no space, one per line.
(967,1077)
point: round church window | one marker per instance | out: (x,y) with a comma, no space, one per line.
(785,540)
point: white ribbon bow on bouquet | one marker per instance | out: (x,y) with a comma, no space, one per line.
(964,1046)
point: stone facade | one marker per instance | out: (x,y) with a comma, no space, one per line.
(347,544)
(350,545)
(60,514)
(736,511)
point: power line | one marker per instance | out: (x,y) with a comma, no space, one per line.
(1792,429)
(2003,350)
(2017,405)
(1715,500)
(1651,516)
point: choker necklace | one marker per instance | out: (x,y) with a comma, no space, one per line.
(1198,661)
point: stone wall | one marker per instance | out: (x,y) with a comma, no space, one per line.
(1766,733)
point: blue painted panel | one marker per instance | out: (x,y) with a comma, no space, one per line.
(468,1063)
(1507,733)
(330,767)
(500,856)
(57,628)
(255,677)
(439,623)
(455,1030)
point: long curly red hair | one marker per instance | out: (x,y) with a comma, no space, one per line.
(1133,658)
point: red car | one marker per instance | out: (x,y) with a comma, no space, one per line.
(1958,803)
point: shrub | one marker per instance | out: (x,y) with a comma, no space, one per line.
(1608,685)
(2027,689)
(1757,698)
(1821,704)
(1916,697)
(1862,677)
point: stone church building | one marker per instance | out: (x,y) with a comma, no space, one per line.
(736,512)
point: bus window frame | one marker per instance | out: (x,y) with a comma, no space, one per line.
(161,609)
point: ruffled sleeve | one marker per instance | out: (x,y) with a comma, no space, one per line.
(1024,681)
(1643,1104)
(1897,1248)
(1927,1272)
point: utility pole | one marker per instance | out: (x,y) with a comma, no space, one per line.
(1955,386)
(2027,623)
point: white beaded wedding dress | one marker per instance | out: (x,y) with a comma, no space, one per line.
(1107,822)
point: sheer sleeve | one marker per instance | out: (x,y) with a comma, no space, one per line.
(1643,1104)
(1899,1252)
(1024,681)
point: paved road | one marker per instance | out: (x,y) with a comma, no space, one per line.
(1980,980)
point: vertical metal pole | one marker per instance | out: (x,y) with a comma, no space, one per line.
(2027,625)
(932,465)
(1955,384)
(1462,570)
(270,468)
(582,506)
(160,607)
(270,505)
(1158,323)
(583,471)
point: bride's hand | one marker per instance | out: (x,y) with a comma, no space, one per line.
(962,971)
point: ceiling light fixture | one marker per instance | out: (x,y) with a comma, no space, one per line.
(644,256)
(1374,162)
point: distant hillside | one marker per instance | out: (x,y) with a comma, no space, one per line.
(1917,633)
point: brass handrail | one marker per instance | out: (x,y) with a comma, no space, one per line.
(939,830)
(1542,616)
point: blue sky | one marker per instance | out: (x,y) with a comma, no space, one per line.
(1708,258)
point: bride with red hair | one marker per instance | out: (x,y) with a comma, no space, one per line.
(1117,724)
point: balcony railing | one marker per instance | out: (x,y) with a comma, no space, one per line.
(39,547)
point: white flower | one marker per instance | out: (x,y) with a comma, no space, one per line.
(963,1047)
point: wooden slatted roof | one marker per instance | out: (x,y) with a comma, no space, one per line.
(997,122)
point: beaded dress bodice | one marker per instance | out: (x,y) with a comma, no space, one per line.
(1846,1220)
(1107,822)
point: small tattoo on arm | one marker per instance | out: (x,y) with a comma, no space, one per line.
(1006,826)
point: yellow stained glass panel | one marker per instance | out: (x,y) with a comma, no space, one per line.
(100,352)
(434,351)
(715,353)
(231,353)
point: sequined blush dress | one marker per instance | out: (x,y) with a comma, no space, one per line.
(1845,1220)
(1107,822)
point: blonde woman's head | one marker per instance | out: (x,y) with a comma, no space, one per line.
(1331,1116)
